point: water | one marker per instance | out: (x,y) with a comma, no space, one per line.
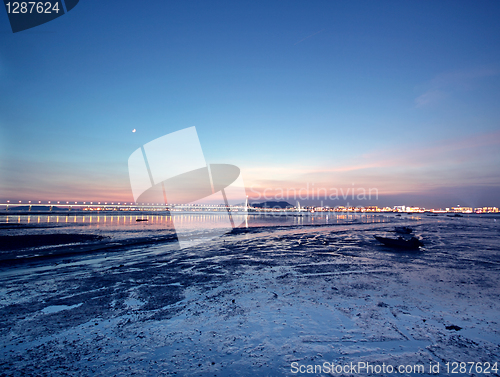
(164,220)
(123,230)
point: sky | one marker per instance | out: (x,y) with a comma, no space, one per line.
(399,99)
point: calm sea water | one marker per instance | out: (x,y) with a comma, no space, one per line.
(124,231)
(108,220)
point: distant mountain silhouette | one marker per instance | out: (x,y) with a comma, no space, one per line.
(272,205)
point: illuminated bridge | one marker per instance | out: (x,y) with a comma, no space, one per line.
(114,206)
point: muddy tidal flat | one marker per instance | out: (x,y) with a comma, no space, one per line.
(273,299)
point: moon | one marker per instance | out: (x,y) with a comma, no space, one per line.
(133,130)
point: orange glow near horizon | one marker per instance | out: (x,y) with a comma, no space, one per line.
(415,169)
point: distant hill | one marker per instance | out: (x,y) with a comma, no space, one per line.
(272,205)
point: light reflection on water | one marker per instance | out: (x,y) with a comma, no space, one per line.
(81,219)
(164,221)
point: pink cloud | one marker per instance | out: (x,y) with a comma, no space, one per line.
(414,168)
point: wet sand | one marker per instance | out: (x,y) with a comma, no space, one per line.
(254,302)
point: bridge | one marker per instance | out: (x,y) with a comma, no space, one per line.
(114,206)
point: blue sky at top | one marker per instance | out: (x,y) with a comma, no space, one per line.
(292,92)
